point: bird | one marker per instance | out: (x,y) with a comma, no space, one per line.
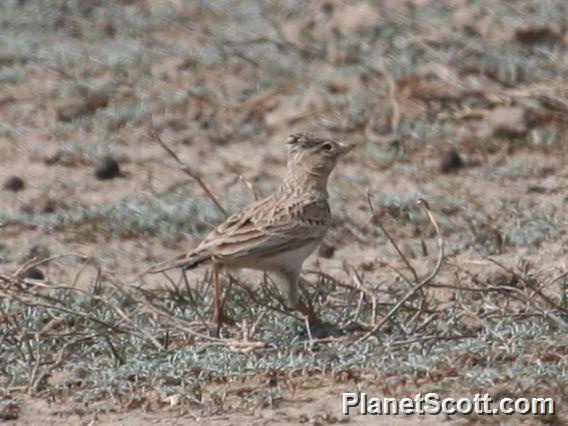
(275,234)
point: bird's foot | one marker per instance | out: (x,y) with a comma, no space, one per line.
(315,327)
(309,313)
(219,318)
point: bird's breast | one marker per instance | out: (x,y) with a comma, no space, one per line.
(290,259)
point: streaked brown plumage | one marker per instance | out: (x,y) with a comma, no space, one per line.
(278,233)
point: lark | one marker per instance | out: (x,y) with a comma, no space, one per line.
(275,234)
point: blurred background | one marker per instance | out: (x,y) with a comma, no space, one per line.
(461,102)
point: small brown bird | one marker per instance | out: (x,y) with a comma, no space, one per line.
(278,233)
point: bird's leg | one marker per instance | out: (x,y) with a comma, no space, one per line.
(304,309)
(217,306)
(218,315)
(288,281)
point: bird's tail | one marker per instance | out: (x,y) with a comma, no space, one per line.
(183,261)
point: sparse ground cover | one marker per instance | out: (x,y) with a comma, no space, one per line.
(461,103)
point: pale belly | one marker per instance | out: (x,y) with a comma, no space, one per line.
(290,260)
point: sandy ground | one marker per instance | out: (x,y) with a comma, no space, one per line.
(317,407)
(507,199)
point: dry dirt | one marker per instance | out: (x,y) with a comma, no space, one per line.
(224,84)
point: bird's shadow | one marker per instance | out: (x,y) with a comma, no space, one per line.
(321,330)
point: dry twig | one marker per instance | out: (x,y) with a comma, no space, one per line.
(395,115)
(188,171)
(417,285)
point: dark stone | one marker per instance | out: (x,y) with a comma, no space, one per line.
(490,239)
(14,183)
(46,205)
(68,110)
(327,8)
(537,35)
(33,273)
(9,411)
(107,168)
(109,29)
(451,161)
(38,252)
(326,251)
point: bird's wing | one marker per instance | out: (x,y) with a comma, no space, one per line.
(276,224)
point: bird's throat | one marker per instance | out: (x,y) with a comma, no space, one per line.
(303,182)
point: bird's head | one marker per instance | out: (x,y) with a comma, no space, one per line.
(314,155)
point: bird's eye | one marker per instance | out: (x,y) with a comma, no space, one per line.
(327,147)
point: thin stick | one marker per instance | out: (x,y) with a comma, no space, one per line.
(187,170)
(419,285)
(395,117)
(428,339)
(531,286)
(309,331)
(364,292)
(389,237)
(257,194)
(67,311)
(37,262)
(103,300)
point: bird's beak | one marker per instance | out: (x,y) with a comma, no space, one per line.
(345,148)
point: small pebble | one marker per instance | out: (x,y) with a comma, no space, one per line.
(326,251)
(9,411)
(38,251)
(107,168)
(14,183)
(451,161)
(33,273)
(70,109)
